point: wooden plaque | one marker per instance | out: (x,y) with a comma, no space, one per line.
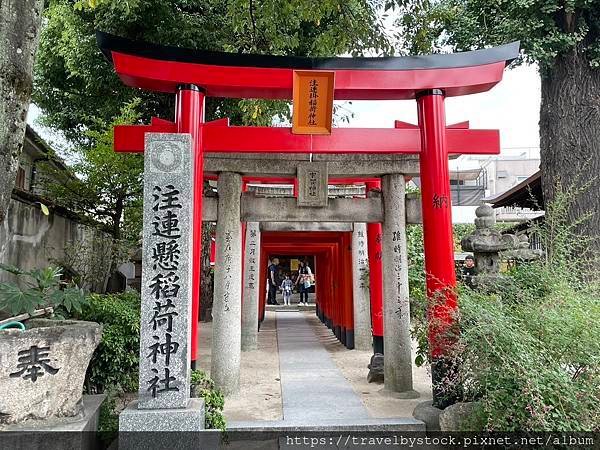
(313,102)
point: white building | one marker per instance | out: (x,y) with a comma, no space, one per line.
(490,176)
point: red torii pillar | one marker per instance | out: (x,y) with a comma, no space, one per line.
(374,250)
(189,114)
(438,239)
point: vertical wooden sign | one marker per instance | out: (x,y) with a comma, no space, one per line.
(313,102)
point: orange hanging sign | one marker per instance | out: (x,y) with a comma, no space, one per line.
(313,102)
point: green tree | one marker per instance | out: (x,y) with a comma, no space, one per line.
(76,87)
(81,95)
(562,37)
(102,184)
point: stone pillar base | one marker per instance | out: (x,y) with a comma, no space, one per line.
(402,395)
(144,428)
(68,432)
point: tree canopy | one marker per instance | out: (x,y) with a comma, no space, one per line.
(80,94)
(545,28)
(563,38)
(76,87)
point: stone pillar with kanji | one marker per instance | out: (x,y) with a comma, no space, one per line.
(164,402)
(396,305)
(251,290)
(360,290)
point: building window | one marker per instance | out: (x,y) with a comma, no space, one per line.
(20,181)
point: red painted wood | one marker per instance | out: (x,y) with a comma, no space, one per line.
(374,238)
(189,113)
(405,125)
(130,138)
(437,220)
(343,140)
(293,181)
(276,83)
(223,139)
(333,267)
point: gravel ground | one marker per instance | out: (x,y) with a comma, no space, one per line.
(260,389)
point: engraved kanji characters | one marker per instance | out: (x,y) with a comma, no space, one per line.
(33,363)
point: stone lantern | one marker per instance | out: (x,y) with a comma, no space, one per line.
(486,242)
(487,245)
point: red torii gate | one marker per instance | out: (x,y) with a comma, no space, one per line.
(192,75)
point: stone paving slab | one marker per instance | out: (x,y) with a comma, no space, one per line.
(315,394)
(313,389)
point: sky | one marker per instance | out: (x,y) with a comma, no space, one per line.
(512,106)
(52,137)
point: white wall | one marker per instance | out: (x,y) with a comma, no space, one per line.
(463,214)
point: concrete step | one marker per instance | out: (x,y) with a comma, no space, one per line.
(327,435)
(371,424)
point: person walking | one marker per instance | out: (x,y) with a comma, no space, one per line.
(304,281)
(286,288)
(273,285)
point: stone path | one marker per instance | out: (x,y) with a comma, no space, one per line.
(314,392)
(312,387)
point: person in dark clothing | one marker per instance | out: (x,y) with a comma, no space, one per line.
(468,271)
(273,282)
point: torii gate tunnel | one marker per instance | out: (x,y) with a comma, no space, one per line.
(193,75)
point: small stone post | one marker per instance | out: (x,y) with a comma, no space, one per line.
(396,306)
(227,308)
(360,294)
(251,278)
(164,402)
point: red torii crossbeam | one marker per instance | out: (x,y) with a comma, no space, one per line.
(192,75)
(219,137)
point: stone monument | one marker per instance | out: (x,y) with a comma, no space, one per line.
(489,245)
(42,372)
(164,402)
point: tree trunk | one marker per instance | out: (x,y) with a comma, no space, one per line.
(20,23)
(206,280)
(117,217)
(570,138)
(110,282)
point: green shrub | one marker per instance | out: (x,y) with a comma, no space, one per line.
(416,283)
(534,363)
(528,348)
(108,421)
(204,387)
(116,360)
